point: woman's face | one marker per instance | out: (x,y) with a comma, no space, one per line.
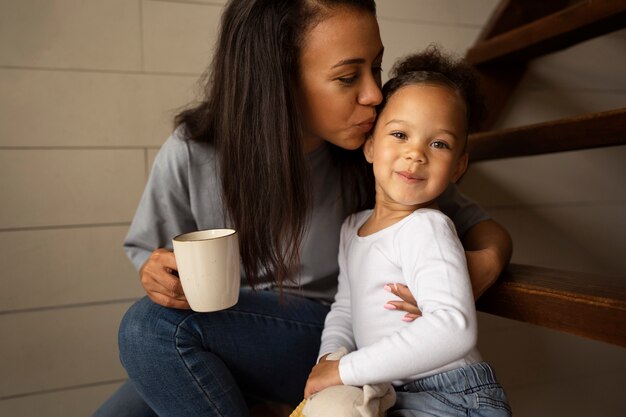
(340,68)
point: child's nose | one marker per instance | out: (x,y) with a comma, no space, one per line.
(416,153)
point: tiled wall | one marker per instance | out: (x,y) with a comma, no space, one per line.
(88,92)
(88,89)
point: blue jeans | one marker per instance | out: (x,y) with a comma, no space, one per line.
(472,391)
(184,363)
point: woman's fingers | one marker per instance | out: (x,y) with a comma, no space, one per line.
(166,301)
(164,296)
(401,291)
(159,279)
(409,317)
(159,273)
(403,306)
(406,303)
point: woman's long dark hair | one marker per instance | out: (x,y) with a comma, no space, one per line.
(249,113)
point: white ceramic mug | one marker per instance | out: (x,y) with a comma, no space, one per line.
(208,267)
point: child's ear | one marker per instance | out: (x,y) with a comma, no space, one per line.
(368,149)
(461,167)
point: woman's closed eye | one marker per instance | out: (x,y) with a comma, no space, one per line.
(349,80)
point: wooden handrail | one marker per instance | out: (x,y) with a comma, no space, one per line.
(587,305)
(572,25)
(580,132)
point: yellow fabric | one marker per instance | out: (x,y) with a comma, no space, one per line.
(298,411)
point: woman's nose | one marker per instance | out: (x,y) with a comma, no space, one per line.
(370,94)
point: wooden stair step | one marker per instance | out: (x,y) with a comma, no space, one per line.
(587,305)
(579,132)
(559,30)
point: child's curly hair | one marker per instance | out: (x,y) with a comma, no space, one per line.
(432,66)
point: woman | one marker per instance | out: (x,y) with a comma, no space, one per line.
(271,152)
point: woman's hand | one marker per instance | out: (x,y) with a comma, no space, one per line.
(484,269)
(323,375)
(407,303)
(158,279)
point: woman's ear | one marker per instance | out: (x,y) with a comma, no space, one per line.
(461,167)
(368,149)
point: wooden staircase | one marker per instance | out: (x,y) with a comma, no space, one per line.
(587,305)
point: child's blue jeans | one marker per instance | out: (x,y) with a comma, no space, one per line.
(472,391)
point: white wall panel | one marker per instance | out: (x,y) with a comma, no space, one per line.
(560,178)
(530,106)
(179,37)
(56,267)
(402,38)
(586,238)
(60,348)
(68,187)
(565,70)
(79,402)
(92,34)
(86,109)
(448,12)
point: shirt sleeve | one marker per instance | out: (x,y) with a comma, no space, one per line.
(164,210)
(338,325)
(433,263)
(464,212)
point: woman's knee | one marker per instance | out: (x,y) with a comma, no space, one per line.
(146,327)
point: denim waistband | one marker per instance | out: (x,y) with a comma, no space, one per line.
(462,380)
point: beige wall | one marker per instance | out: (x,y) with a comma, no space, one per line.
(88,91)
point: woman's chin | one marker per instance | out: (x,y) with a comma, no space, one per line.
(351,143)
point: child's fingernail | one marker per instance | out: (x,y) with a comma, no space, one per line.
(395,286)
(387,288)
(390,306)
(407,319)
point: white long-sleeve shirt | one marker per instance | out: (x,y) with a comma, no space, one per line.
(423,252)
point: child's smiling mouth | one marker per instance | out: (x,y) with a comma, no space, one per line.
(410,177)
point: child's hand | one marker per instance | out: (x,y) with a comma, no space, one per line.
(407,304)
(324,374)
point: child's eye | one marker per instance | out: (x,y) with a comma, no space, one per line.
(439,144)
(398,135)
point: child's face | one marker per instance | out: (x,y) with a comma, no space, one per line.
(417,146)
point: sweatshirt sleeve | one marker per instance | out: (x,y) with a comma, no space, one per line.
(338,325)
(464,212)
(164,210)
(433,263)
